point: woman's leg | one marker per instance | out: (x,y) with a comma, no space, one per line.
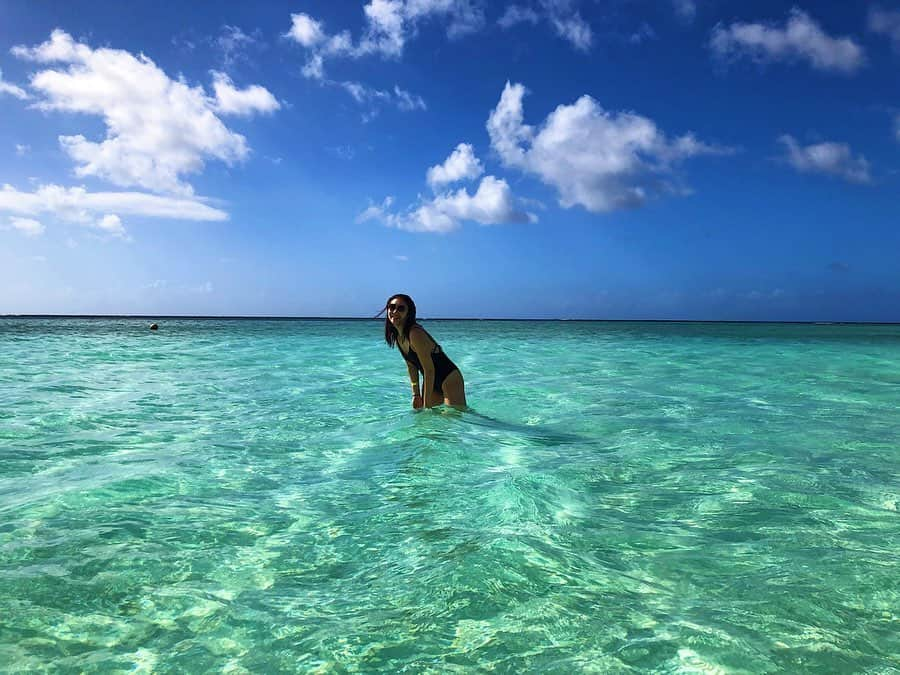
(454,390)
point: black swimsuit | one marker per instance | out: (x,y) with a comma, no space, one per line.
(443,366)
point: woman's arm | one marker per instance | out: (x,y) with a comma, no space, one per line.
(414,382)
(423,345)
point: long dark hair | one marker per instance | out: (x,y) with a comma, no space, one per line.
(390,333)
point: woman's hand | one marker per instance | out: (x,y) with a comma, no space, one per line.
(418,402)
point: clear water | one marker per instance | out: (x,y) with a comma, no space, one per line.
(259,497)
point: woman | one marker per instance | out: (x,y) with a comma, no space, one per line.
(442,381)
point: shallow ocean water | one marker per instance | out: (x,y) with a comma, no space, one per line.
(258,496)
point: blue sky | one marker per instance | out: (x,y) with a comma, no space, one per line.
(628,159)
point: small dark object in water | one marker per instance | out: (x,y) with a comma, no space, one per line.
(153,326)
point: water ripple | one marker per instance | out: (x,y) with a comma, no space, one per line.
(220,496)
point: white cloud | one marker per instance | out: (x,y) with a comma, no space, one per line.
(158,129)
(346,152)
(574,29)
(886,22)
(11,89)
(801,39)
(492,204)
(685,9)
(461,164)
(27,226)
(407,101)
(566,22)
(376,211)
(403,100)
(233,42)
(22,149)
(834,159)
(111,224)
(597,159)
(516,14)
(385,32)
(164,285)
(361,93)
(80,206)
(314,68)
(464,16)
(232,101)
(643,33)
(306,30)
(388,26)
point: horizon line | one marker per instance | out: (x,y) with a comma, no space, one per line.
(250,317)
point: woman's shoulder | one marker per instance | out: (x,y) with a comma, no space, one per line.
(416,333)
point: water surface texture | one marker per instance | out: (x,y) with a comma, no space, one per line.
(258,496)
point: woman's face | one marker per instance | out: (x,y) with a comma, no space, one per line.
(397,311)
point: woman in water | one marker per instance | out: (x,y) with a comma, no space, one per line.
(442,381)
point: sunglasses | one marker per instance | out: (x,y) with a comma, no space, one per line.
(394,307)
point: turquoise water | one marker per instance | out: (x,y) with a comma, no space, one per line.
(259,497)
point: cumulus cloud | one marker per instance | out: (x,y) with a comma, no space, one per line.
(886,22)
(385,32)
(559,14)
(245,102)
(306,30)
(22,149)
(111,224)
(834,159)
(462,164)
(158,129)
(388,26)
(11,89)
(492,204)
(594,158)
(80,206)
(27,226)
(800,39)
